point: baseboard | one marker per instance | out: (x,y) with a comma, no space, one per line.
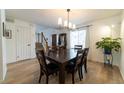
(21,60)
(122,74)
(4,75)
(101,62)
(95,61)
(2,78)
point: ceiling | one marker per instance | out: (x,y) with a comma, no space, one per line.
(49,17)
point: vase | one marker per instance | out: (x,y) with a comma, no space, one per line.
(107,51)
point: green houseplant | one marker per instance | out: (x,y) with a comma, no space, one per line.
(109,44)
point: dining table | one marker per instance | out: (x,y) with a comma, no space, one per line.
(61,57)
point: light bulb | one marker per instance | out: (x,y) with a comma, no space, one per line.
(112,26)
(74,26)
(59,21)
(65,23)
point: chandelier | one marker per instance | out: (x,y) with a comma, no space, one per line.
(66,24)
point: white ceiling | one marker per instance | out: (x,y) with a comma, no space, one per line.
(49,17)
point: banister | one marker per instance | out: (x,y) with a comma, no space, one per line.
(38,37)
(44,41)
(43,37)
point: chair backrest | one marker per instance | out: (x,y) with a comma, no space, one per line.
(79,56)
(86,51)
(42,60)
(77,46)
(84,55)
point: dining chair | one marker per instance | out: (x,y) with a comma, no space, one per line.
(47,69)
(84,61)
(78,46)
(74,65)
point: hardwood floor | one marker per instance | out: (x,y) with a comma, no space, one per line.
(27,72)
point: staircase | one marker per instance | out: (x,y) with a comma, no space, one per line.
(41,43)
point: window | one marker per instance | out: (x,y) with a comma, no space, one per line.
(77,38)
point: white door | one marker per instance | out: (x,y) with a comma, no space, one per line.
(27,35)
(23,43)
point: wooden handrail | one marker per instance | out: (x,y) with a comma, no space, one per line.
(42,42)
(38,34)
(43,37)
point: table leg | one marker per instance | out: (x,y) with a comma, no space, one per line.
(61,75)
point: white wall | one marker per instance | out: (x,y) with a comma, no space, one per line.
(102,28)
(49,31)
(11,43)
(3,65)
(122,47)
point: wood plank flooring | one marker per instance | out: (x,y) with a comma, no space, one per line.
(27,72)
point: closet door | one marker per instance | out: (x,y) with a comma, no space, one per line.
(27,41)
(18,43)
(23,43)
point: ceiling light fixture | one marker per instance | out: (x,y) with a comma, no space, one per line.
(66,24)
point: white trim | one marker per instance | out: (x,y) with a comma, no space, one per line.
(122,74)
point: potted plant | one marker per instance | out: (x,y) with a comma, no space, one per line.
(109,44)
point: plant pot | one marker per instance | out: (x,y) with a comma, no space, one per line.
(107,51)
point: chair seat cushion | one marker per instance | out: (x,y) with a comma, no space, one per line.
(70,67)
(52,68)
(71,64)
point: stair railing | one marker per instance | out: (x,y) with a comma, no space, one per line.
(44,42)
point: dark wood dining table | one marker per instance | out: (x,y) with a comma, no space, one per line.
(61,57)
